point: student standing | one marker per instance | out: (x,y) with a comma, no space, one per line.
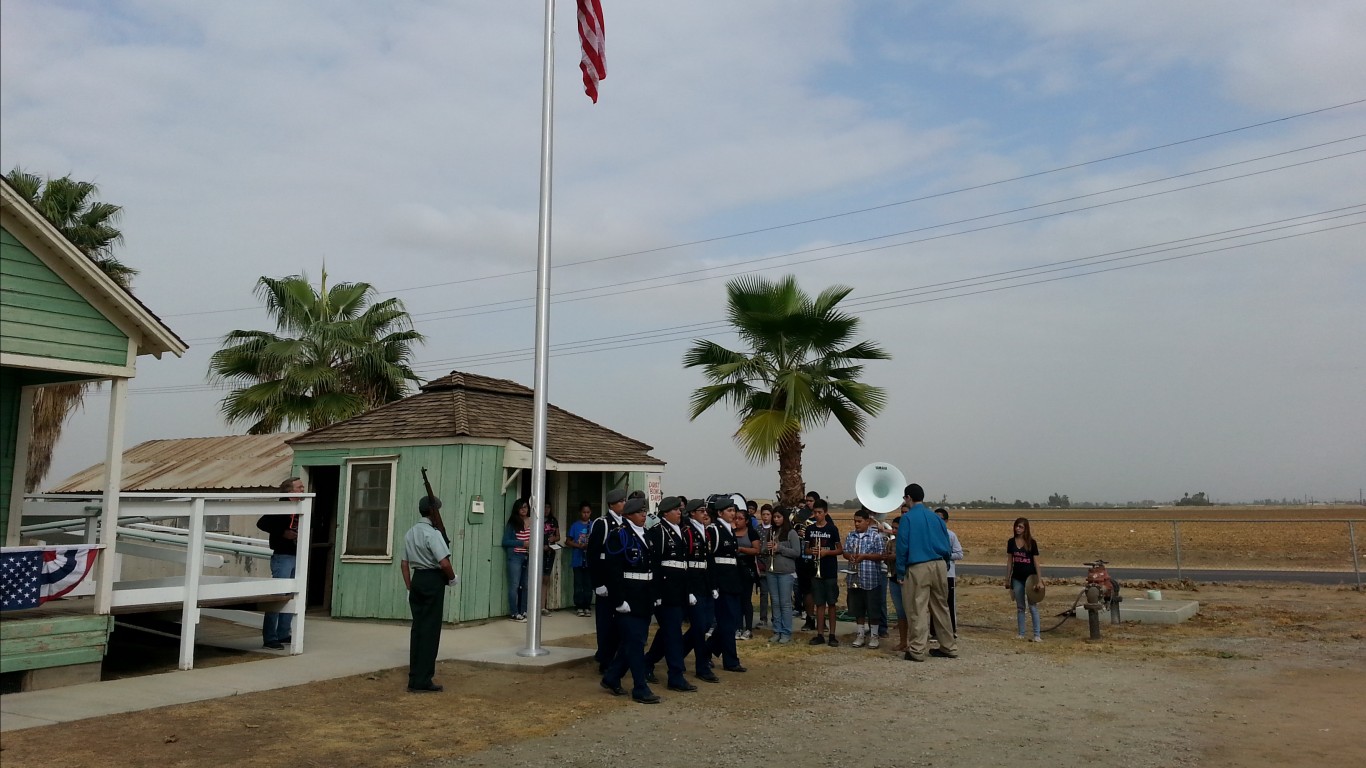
(824,546)
(784,547)
(516,535)
(865,548)
(578,541)
(1022,561)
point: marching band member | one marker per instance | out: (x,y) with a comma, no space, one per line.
(631,591)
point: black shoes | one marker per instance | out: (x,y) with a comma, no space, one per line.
(274,646)
(684,688)
(616,690)
(909,657)
(650,677)
(942,654)
(430,688)
(648,698)
(709,677)
(736,668)
(817,640)
(834,641)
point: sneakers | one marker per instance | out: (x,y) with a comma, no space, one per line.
(520,618)
(1019,637)
(761,624)
(873,641)
(817,640)
(748,635)
(739,634)
(810,625)
(1037,639)
(858,640)
(545,611)
(784,640)
(834,642)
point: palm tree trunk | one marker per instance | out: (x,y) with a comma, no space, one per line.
(791,487)
(52,406)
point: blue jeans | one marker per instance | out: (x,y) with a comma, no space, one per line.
(765,603)
(780,590)
(896,601)
(275,627)
(516,583)
(1018,589)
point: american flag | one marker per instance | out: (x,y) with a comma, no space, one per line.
(31,576)
(593,35)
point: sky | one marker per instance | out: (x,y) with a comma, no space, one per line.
(1114,249)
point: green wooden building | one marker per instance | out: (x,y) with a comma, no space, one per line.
(62,320)
(473,435)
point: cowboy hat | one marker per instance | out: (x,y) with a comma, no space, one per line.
(1034,590)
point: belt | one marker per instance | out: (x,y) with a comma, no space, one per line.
(724,560)
(638,576)
(674,563)
(697,563)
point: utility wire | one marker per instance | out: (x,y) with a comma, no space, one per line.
(876,302)
(829,217)
(618,289)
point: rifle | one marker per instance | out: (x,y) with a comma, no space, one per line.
(435,514)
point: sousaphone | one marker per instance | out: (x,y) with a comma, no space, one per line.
(880,487)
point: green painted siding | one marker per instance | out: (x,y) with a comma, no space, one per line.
(458,473)
(52,641)
(10,384)
(41,315)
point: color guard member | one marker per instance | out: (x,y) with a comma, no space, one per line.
(731,584)
(670,553)
(630,588)
(604,527)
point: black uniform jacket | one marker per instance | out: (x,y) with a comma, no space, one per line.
(699,558)
(603,528)
(630,571)
(670,552)
(727,574)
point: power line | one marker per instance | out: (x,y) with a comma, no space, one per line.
(886,300)
(843,214)
(617,289)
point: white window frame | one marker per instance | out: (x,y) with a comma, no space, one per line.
(351,463)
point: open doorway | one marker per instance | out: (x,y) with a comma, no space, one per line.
(325,482)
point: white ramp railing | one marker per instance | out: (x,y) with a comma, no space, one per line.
(52,514)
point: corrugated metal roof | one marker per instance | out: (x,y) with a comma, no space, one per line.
(470,405)
(229,463)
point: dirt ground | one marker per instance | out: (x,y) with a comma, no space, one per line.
(1272,676)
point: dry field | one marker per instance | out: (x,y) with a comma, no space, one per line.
(1282,538)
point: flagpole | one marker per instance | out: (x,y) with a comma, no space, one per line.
(542,376)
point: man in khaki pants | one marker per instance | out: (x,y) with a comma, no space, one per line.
(922,555)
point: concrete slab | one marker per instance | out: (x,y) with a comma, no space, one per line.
(507,659)
(1157,611)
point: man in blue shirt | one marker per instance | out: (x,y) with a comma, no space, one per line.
(922,556)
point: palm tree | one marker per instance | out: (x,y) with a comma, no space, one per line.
(800,371)
(333,358)
(90,226)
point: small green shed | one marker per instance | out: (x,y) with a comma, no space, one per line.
(473,434)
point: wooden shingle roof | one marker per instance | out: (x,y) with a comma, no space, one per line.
(469,405)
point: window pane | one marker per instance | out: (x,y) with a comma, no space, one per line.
(367,526)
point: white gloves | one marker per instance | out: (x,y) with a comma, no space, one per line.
(716,594)
(624,608)
(601,591)
(454,580)
(658,602)
(692,599)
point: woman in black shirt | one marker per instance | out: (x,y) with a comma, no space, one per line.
(1022,561)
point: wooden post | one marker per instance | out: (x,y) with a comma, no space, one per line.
(24,425)
(194,569)
(113,483)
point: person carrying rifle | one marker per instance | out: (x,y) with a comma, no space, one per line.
(427,572)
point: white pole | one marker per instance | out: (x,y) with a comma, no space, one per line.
(113,484)
(541,385)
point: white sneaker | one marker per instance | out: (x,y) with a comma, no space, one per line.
(1037,639)
(872,640)
(1019,637)
(858,640)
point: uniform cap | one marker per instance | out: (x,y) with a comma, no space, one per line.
(634,506)
(669,504)
(695,505)
(616,495)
